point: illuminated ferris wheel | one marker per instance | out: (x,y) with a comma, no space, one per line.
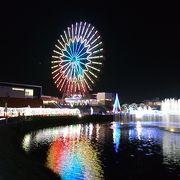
(77,59)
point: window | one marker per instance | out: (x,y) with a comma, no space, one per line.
(29,92)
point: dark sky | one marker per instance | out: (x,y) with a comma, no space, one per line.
(141,43)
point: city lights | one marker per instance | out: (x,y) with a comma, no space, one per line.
(27,111)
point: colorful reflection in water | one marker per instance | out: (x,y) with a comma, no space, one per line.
(106,151)
(116,135)
(70,154)
(74,159)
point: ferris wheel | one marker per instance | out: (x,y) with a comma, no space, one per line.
(77,59)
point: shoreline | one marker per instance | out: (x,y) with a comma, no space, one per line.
(37,122)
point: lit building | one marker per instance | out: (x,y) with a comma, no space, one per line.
(20,95)
(105,99)
(14,90)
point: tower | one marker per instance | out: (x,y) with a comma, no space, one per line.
(116,106)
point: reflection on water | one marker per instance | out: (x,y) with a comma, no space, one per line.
(116,134)
(164,120)
(74,158)
(99,151)
(171,149)
(70,153)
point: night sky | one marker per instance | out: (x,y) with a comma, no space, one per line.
(141,45)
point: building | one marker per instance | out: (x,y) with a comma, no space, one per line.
(20,95)
(13,90)
(105,99)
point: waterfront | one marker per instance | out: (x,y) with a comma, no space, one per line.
(90,149)
(108,150)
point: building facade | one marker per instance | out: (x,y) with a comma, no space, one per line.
(20,95)
(105,99)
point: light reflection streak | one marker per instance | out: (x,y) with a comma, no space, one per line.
(70,154)
(139,129)
(75,150)
(116,134)
(97,131)
(171,148)
(72,159)
(26,142)
(145,133)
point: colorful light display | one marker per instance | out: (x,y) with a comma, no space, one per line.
(74,159)
(70,153)
(27,111)
(77,59)
(116,106)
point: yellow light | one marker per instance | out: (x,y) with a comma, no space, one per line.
(55,61)
(55,57)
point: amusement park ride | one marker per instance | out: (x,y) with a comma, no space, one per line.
(77,59)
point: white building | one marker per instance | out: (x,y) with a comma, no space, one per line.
(105,99)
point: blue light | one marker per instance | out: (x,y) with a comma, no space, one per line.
(77,54)
(116,135)
(116,108)
(77,59)
(75,169)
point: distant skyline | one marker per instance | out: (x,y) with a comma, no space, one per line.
(141,43)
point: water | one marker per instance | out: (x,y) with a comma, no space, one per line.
(171,106)
(111,150)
